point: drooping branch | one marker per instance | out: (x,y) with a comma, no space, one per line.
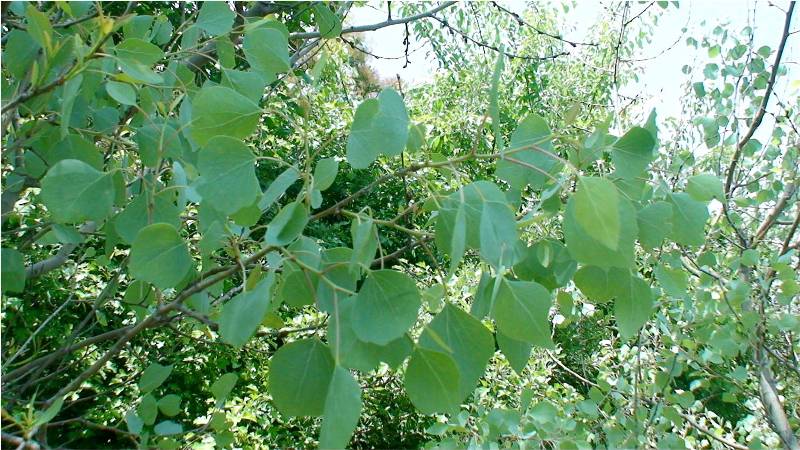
(762,109)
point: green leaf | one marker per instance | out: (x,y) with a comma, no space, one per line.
(170,405)
(299,376)
(278,187)
(336,268)
(594,283)
(223,386)
(215,18)
(325,173)
(39,27)
(432,382)
(73,192)
(500,244)
(134,422)
(674,281)
(249,84)
(516,352)
(342,410)
(148,409)
(43,417)
(521,312)
(597,210)
(19,52)
(473,197)
(243,314)
(287,225)
(531,145)
(139,51)
(328,23)
(587,250)
(227,175)
(633,152)
(121,92)
(380,126)
(139,213)
(386,307)
(13,270)
(267,51)
(463,337)
(365,242)
(159,256)
(548,263)
(705,187)
(688,220)
(458,239)
(167,428)
(157,141)
(634,302)
(416,137)
(219,110)
(153,376)
(655,224)
(349,351)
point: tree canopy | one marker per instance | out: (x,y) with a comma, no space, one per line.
(222,228)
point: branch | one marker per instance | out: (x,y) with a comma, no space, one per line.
(763,108)
(769,221)
(21,444)
(379,25)
(42,267)
(710,434)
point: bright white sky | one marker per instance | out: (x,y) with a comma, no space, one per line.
(661,80)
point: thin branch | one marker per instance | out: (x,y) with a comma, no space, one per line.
(763,108)
(379,25)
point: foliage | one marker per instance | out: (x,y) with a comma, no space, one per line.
(221,230)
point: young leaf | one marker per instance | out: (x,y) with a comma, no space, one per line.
(379,126)
(73,192)
(159,256)
(342,410)
(227,175)
(386,307)
(432,382)
(521,312)
(299,376)
(242,315)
